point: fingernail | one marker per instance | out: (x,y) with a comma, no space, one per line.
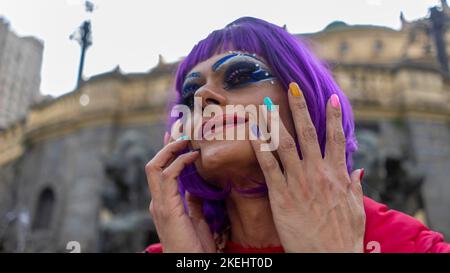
(361,174)
(182,138)
(268,102)
(255,130)
(295,90)
(166,138)
(335,101)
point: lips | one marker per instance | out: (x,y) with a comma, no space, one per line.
(217,123)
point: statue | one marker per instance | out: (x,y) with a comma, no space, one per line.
(126,169)
(402,187)
(125,222)
(369,157)
(388,179)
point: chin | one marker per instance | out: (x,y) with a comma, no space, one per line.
(219,159)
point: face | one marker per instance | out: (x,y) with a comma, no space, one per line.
(236,78)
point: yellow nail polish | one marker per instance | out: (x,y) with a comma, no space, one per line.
(295,90)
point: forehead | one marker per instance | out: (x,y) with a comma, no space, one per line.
(209,64)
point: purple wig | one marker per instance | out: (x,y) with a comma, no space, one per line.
(290,61)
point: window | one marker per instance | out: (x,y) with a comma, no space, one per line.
(343,47)
(378,46)
(44,210)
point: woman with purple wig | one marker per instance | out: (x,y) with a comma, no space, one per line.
(214,192)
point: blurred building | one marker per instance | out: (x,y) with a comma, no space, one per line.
(20,74)
(73,170)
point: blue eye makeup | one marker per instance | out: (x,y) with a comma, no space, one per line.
(222,61)
(231,56)
(242,73)
(188,88)
(188,94)
(237,70)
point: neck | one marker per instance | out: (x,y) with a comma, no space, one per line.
(251,221)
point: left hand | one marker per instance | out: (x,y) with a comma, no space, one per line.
(316,205)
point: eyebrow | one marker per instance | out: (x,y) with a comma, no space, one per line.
(224,59)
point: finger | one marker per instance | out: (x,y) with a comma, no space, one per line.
(269,125)
(153,179)
(306,132)
(287,150)
(154,167)
(355,204)
(268,163)
(167,153)
(167,138)
(356,187)
(335,145)
(169,185)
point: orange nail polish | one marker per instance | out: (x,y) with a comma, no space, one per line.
(295,90)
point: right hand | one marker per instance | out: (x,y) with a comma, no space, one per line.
(177,231)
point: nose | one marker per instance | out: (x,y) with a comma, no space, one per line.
(210,97)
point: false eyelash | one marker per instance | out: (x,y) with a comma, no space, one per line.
(187,97)
(189,88)
(237,68)
(252,71)
(188,100)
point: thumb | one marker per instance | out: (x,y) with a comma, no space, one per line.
(356,178)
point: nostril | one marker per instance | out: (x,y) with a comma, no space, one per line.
(211,101)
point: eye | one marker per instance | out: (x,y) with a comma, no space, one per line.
(188,88)
(188,94)
(243,73)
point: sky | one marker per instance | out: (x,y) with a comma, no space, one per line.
(132,33)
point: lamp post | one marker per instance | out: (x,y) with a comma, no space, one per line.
(83,35)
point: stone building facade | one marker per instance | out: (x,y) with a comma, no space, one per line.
(20,74)
(54,164)
(77,161)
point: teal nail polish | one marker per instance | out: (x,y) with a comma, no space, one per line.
(268,102)
(182,138)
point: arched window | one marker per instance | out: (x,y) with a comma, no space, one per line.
(44,210)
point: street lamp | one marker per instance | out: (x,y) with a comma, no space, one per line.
(83,35)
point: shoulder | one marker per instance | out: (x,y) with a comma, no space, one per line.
(397,232)
(154,248)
